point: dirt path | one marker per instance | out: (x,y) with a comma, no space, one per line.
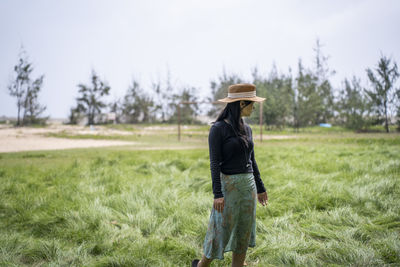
(15,144)
(28,139)
(14,139)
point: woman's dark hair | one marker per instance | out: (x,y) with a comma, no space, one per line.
(231,112)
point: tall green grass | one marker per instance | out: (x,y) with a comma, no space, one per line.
(332,201)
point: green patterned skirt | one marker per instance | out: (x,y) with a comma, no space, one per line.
(235,228)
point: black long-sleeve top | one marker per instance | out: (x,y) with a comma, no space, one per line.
(229,155)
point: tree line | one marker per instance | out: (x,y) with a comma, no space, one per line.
(308,98)
(136,106)
(298,100)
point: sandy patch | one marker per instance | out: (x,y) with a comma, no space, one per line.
(28,139)
(272,137)
(15,144)
(67,129)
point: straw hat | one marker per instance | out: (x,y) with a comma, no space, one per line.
(241,91)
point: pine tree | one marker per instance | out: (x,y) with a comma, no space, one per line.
(352,105)
(32,107)
(90,100)
(116,108)
(188,109)
(382,93)
(137,106)
(324,87)
(26,91)
(308,101)
(277,89)
(74,116)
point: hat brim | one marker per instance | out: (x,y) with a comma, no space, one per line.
(230,100)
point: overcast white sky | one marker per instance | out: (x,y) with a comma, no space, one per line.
(195,40)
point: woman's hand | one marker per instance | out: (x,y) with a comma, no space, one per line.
(219,204)
(263,198)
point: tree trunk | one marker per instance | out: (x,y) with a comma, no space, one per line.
(18,121)
(90,118)
(386,118)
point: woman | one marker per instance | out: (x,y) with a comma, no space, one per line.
(236,180)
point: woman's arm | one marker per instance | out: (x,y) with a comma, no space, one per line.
(215,148)
(257,176)
(256,172)
(261,192)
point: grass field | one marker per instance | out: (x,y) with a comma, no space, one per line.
(334,199)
